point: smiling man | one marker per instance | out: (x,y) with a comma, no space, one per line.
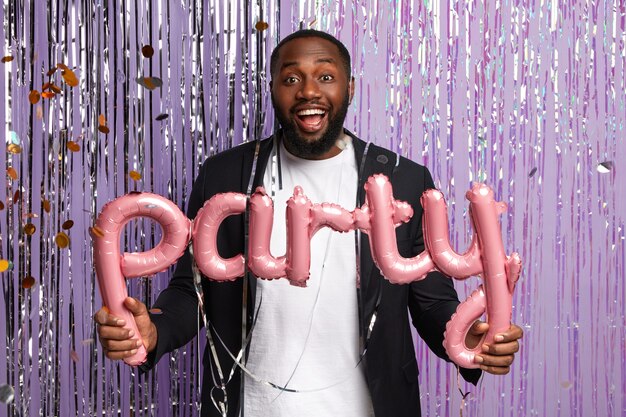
(343,345)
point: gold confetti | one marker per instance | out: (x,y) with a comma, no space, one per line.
(103,129)
(74,356)
(1,205)
(16,196)
(28,282)
(34,97)
(4,265)
(70,77)
(102,120)
(11,172)
(134,175)
(62,66)
(147,51)
(48,94)
(155,311)
(73,146)
(62,240)
(261,26)
(30,229)
(46,205)
(7,58)
(96,231)
(51,71)
(150,82)
(13,148)
(55,88)
(313,22)
(67,225)
(30,216)
(46,86)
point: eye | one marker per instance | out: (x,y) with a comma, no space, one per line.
(291,80)
(327,77)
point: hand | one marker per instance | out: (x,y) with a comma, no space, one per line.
(120,343)
(497,357)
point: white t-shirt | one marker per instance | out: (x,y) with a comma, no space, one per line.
(307,338)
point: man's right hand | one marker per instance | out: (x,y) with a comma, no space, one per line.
(120,343)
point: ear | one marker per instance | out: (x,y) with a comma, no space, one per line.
(351,89)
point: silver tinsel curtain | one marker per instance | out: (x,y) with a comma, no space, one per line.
(100,98)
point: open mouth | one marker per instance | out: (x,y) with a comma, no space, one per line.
(311,120)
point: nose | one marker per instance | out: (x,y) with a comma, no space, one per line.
(309,89)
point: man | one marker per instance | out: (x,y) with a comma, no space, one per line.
(342,346)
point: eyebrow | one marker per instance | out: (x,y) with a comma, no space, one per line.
(317,61)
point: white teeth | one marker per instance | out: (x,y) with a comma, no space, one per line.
(310,112)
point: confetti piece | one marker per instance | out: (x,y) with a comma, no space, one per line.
(162,116)
(261,26)
(30,229)
(11,172)
(34,97)
(48,94)
(147,51)
(155,311)
(67,225)
(30,216)
(134,175)
(4,265)
(55,88)
(17,196)
(62,66)
(69,77)
(15,139)
(39,112)
(74,356)
(87,342)
(6,393)
(313,22)
(104,129)
(46,205)
(150,82)
(73,146)
(106,309)
(46,86)
(605,167)
(532,172)
(28,282)
(14,149)
(62,240)
(96,231)
(102,120)
(7,58)
(1,205)
(51,71)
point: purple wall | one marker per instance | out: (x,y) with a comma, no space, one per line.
(528,97)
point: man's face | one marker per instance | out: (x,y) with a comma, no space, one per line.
(311,93)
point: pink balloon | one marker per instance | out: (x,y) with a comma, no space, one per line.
(112,267)
(385,213)
(205,227)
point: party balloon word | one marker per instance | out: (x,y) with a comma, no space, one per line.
(378,217)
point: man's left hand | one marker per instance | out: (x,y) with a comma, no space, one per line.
(496,358)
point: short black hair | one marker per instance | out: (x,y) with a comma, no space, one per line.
(311,33)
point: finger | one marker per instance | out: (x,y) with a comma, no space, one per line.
(135,306)
(120,355)
(496,370)
(493,360)
(479,328)
(515,332)
(503,348)
(121,346)
(114,333)
(103,317)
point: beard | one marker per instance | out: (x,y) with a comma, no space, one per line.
(312,148)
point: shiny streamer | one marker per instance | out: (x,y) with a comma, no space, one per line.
(526,96)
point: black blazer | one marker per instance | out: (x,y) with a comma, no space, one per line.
(389,362)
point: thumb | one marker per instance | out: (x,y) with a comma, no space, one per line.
(479,328)
(135,306)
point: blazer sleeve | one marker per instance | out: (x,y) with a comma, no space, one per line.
(178,320)
(432,301)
